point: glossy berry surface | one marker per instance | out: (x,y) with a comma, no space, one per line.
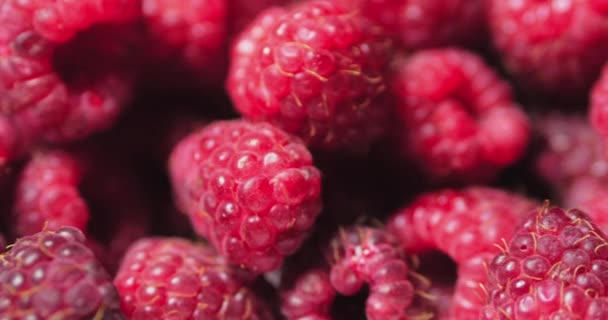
(249,188)
(458,119)
(419,24)
(550,47)
(315,70)
(53,275)
(171,278)
(553,266)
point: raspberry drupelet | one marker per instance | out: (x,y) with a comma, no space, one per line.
(249,188)
(419,24)
(465,225)
(551,47)
(53,275)
(554,267)
(459,120)
(315,70)
(45,93)
(172,278)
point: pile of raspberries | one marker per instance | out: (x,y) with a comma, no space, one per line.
(304,159)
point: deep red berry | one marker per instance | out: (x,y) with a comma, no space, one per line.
(556,47)
(554,265)
(459,120)
(53,275)
(316,71)
(249,188)
(371,256)
(418,24)
(310,298)
(599,104)
(465,225)
(171,278)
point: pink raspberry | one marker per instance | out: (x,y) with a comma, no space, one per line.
(555,47)
(315,70)
(249,188)
(598,112)
(459,119)
(53,275)
(590,195)
(171,278)
(64,75)
(418,24)
(465,225)
(554,266)
(310,297)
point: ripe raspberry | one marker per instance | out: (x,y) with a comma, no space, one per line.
(556,47)
(316,71)
(464,224)
(44,91)
(590,195)
(598,113)
(572,150)
(53,275)
(170,278)
(310,298)
(418,24)
(554,265)
(460,121)
(249,188)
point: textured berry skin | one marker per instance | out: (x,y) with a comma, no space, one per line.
(44,92)
(459,119)
(419,24)
(556,47)
(53,275)
(465,225)
(171,278)
(310,298)
(554,267)
(372,256)
(598,113)
(249,188)
(316,71)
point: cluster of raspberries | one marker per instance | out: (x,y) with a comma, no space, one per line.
(304,159)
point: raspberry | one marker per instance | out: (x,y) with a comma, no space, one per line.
(53,275)
(171,278)
(555,47)
(316,71)
(419,24)
(589,195)
(598,113)
(554,265)
(45,91)
(464,224)
(249,188)
(310,298)
(459,119)
(572,150)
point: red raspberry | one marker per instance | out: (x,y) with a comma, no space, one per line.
(589,195)
(249,188)
(464,224)
(53,275)
(554,265)
(556,47)
(44,89)
(171,278)
(418,24)
(572,150)
(598,113)
(310,298)
(315,70)
(460,121)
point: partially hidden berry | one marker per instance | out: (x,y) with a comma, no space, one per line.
(598,112)
(554,266)
(53,275)
(315,70)
(459,120)
(310,297)
(419,24)
(171,278)
(551,47)
(249,188)
(465,225)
